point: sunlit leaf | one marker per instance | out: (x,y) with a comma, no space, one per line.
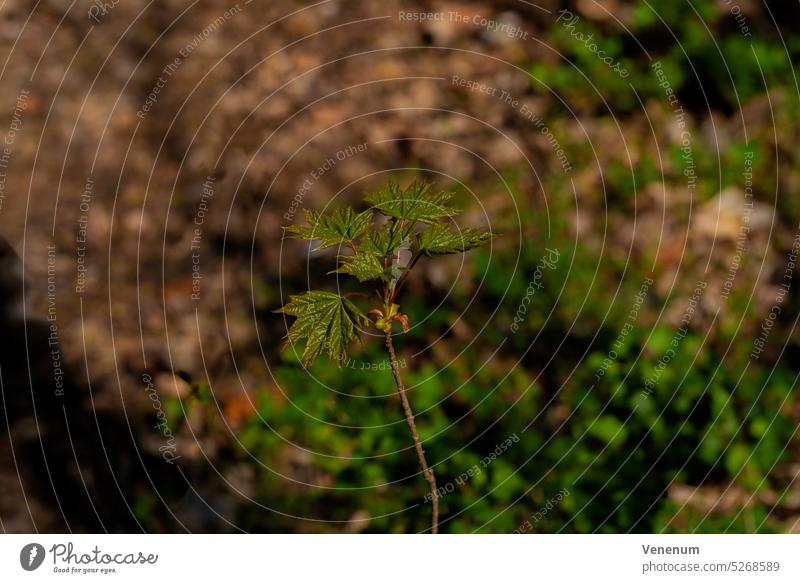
(326,321)
(440,239)
(340,226)
(417,202)
(386,240)
(363,266)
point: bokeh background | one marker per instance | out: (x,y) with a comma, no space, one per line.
(632,333)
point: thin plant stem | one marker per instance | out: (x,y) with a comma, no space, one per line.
(426,471)
(402,281)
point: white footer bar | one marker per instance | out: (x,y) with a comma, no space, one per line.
(401,558)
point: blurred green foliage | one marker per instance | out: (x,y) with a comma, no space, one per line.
(704,54)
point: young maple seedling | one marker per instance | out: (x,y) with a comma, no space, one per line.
(418,223)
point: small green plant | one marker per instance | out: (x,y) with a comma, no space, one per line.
(379,247)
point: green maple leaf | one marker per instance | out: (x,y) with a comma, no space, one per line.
(340,226)
(388,238)
(417,202)
(326,321)
(362,265)
(440,239)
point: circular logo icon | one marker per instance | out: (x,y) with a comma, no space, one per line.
(31,556)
